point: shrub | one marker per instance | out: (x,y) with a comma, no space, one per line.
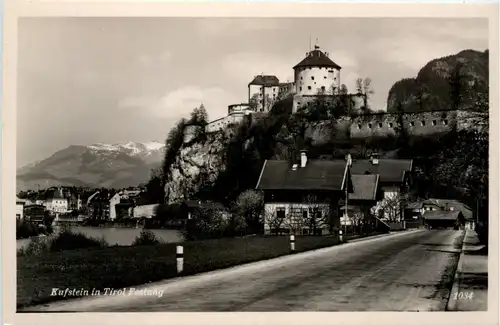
(36,247)
(146,237)
(68,240)
(26,229)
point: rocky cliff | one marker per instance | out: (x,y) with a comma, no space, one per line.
(432,88)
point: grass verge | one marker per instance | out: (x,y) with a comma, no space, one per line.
(123,266)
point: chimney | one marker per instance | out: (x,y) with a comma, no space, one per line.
(374,159)
(303,158)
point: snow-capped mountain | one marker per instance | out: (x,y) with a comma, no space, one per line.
(96,165)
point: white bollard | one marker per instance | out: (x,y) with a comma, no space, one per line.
(340,235)
(180,258)
(292,243)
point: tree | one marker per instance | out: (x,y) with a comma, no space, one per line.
(199,116)
(253,102)
(173,144)
(318,214)
(275,220)
(421,97)
(155,188)
(250,206)
(392,206)
(359,85)
(364,87)
(457,86)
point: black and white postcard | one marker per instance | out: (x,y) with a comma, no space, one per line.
(250,163)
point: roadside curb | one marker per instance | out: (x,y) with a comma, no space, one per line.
(451,305)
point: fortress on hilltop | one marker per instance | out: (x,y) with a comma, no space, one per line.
(318,76)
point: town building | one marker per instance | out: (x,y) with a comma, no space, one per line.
(444,219)
(432,207)
(395,179)
(56,201)
(20,203)
(303,197)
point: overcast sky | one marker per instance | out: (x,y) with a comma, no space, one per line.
(114,80)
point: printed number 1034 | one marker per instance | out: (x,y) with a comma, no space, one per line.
(463,295)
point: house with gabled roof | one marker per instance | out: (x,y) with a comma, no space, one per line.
(447,205)
(297,193)
(395,179)
(444,219)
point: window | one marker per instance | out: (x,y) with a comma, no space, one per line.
(312,77)
(423,123)
(322,88)
(298,103)
(434,122)
(390,125)
(380,125)
(280,213)
(309,87)
(274,89)
(412,123)
(369,125)
(300,78)
(324,77)
(445,122)
(260,101)
(359,126)
(300,88)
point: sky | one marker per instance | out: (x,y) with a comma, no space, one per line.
(114,80)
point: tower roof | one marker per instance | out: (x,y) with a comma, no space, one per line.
(317,58)
(265,80)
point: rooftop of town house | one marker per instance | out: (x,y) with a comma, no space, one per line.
(414,205)
(316,175)
(441,215)
(265,80)
(365,187)
(390,170)
(317,58)
(447,204)
(194,204)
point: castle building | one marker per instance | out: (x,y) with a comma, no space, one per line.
(263,91)
(315,75)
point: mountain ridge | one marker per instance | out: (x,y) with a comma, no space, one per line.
(94,165)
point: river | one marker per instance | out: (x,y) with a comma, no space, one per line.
(118,236)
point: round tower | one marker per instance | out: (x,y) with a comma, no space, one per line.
(316,73)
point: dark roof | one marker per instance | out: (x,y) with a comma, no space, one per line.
(317,175)
(316,58)
(390,170)
(192,204)
(365,187)
(445,204)
(414,205)
(441,215)
(264,80)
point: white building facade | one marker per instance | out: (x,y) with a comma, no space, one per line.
(263,91)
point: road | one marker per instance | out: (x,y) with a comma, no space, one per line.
(400,272)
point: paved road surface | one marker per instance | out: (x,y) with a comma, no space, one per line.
(400,272)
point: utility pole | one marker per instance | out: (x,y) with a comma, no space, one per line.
(349,163)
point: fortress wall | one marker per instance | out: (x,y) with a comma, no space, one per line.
(376,125)
(422,123)
(427,123)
